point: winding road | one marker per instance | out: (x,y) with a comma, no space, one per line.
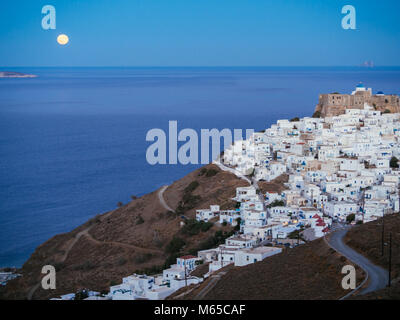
(377,276)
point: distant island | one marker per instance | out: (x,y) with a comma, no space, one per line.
(11,74)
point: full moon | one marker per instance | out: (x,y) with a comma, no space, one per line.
(62,39)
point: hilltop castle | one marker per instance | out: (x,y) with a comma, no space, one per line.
(334,104)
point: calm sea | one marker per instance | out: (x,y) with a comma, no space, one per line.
(72,141)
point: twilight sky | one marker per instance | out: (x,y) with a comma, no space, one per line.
(199,33)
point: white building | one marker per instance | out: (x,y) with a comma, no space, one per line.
(248,256)
(341,209)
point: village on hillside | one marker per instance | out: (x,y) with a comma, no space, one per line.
(339,169)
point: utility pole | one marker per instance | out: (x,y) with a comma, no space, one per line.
(363,204)
(312,197)
(399,200)
(383,235)
(222,257)
(184,261)
(390,259)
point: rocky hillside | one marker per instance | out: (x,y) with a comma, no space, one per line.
(143,235)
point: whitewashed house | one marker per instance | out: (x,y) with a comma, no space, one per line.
(341,209)
(249,256)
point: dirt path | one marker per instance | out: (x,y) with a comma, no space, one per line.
(86,233)
(162,200)
(32,291)
(120,244)
(63,258)
(73,242)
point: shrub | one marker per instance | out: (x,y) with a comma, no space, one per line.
(191,187)
(203,171)
(170,260)
(142,257)
(276,203)
(205,226)
(59,265)
(139,220)
(394,162)
(193,227)
(218,238)
(316,114)
(351,217)
(188,202)
(151,270)
(175,245)
(295,119)
(80,295)
(211,173)
(237,227)
(294,235)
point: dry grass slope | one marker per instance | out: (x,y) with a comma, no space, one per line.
(311,271)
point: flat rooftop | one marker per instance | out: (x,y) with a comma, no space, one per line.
(262,250)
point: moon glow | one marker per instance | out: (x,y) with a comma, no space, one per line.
(62,39)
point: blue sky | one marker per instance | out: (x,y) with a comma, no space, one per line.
(200,33)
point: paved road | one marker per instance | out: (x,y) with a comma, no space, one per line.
(162,200)
(378,277)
